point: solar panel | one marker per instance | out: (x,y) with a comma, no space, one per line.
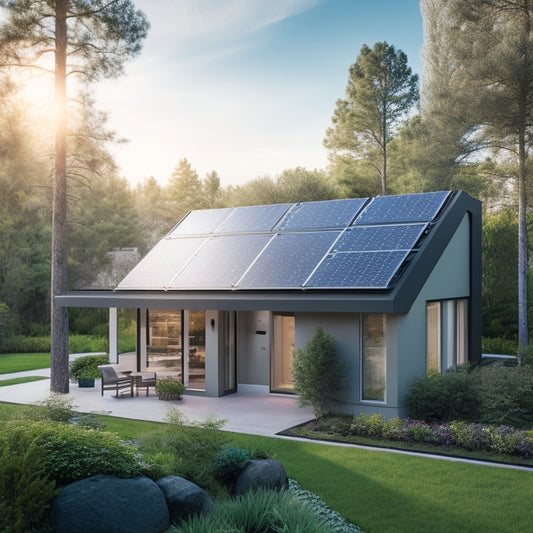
(361,270)
(221,262)
(422,207)
(372,238)
(320,215)
(161,264)
(201,222)
(288,260)
(257,218)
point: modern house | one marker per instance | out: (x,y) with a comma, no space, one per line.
(226,296)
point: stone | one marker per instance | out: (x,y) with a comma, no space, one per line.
(107,504)
(261,474)
(184,498)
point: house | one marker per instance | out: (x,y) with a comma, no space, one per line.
(226,296)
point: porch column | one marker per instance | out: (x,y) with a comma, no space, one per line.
(113,335)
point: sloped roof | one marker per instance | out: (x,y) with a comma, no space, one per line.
(358,243)
(355,255)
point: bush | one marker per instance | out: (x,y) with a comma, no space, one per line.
(498,346)
(169,389)
(437,397)
(185,448)
(87,366)
(262,510)
(22,344)
(25,488)
(229,463)
(55,407)
(318,373)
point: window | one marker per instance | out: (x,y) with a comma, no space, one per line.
(374,358)
(446,333)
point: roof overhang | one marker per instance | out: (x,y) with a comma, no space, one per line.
(396,300)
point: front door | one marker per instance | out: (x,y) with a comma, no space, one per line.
(283,348)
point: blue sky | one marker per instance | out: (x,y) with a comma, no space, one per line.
(244,87)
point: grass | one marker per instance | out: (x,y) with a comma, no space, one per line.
(17,381)
(386,492)
(21,362)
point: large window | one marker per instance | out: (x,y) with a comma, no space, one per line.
(374,359)
(447,333)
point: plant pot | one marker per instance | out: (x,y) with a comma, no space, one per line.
(85,382)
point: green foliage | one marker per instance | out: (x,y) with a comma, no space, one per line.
(26,490)
(169,389)
(381,89)
(262,510)
(318,373)
(450,396)
(498,346)
(492,394)
(230,462)
(54,408)
(87,366)
(23,344)
(184,448)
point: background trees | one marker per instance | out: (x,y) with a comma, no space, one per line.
(381,90)
(89,39)
(481,73)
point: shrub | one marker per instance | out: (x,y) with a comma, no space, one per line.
(55,407)
(498,346)
(22,344)
(318,373)
(87,366)
(185,448)
(229,463)
(25,488)
(505,394)
(454,395)
(262,510)
(169,389)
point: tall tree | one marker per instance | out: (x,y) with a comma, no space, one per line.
(87,38)
(184,190)
(484,49)
(381,90)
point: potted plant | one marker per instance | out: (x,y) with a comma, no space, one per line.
(169,389)
(85,369)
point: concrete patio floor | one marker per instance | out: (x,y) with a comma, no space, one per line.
(245,412)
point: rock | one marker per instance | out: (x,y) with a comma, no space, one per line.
(107,504)
(184,498)
(262,473)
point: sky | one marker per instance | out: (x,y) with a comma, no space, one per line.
(244,87)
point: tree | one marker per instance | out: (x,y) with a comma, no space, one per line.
(481,57)
(184,191)
(381,90)
(318,373)
(212,189)
(87,38)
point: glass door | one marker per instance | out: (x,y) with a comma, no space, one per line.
(165,342)
(281,367)
(195,359)
(230,351)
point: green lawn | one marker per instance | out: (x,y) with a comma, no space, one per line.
(18,381)
(20,362)
(385,492)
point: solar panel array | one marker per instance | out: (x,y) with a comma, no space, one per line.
(358,243)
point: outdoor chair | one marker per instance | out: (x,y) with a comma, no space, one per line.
(113,381)
(147,379)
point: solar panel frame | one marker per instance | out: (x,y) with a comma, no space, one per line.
(423,207)
(201,222)
(213,268)
(377,237)
(300,251)
(380,266)
(253,219)
(329,214)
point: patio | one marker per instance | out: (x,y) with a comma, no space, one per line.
(245,412)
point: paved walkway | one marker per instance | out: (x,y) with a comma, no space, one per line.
(253,414)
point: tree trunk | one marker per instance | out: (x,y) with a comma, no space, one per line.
(59,315)
(384,168)
(522,250)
